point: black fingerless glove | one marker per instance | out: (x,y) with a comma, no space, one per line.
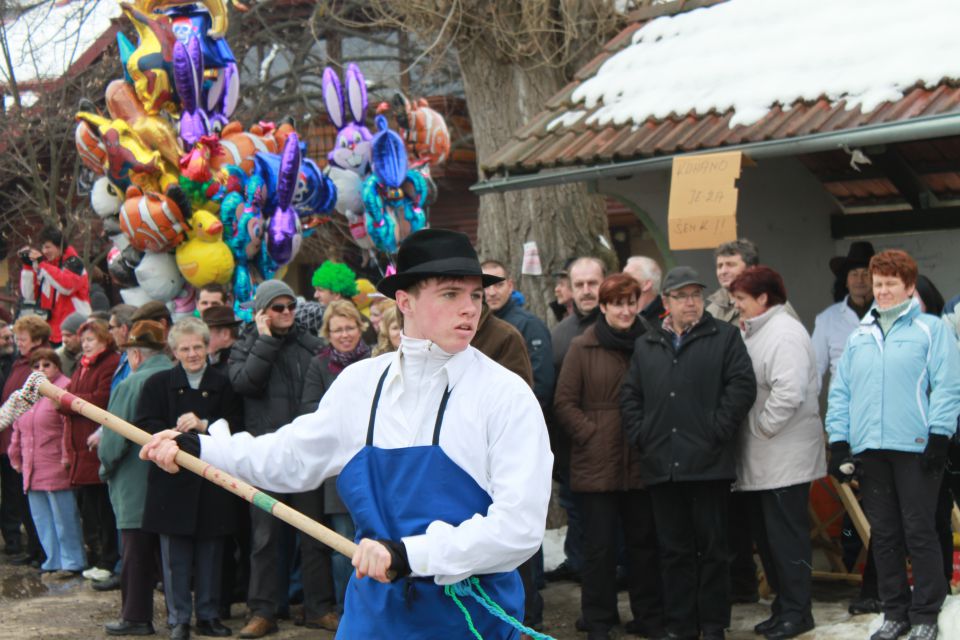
(840,456)
(935,455)
(399,563)
(189,442)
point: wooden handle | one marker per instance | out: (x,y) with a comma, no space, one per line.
(205,470)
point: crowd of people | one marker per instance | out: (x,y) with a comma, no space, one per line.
(685,433)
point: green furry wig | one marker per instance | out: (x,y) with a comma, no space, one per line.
(336,277)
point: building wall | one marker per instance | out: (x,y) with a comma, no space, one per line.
(935,252)
(782,208)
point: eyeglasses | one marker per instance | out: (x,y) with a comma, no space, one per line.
(280,308)
(684,297)
(42,365)
(344,331)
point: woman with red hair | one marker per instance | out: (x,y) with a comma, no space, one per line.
(605,469)
(781,446)
(91,382)
(892,410)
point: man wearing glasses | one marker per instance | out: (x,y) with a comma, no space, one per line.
(267,368)
(689,388)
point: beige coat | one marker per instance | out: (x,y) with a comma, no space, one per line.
(783,443)
(720,306)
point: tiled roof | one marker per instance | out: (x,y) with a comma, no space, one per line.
(551,141)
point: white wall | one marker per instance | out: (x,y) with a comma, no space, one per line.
(936,253)
(782,208)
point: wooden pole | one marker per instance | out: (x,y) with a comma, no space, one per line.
(234,485)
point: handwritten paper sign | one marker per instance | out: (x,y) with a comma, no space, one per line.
(703,200)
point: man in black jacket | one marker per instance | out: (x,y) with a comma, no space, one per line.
(586,274)
(535,334)
(688,390)
(267,367)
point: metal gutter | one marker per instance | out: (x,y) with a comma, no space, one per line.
(885,133)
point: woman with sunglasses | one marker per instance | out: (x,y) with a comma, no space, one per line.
(343,327)
(36,451)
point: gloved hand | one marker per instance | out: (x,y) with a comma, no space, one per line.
(935,455)
(842,465)
(399,563)
(189,442)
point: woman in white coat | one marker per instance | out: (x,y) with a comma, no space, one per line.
(781,447)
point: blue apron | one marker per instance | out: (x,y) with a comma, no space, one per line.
(393,493)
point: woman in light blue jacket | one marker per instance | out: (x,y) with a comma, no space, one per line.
(893,408)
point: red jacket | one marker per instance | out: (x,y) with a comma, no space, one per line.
(60,288)
(90,383)
(37,445)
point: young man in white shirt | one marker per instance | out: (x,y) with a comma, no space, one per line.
(449,475)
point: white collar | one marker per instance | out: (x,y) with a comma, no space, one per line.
(436,360)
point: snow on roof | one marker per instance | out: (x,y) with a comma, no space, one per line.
(46,40)
(749,55)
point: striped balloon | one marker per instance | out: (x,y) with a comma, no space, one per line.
(151,221)
(428,134)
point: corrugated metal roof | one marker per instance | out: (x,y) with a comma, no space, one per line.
(548,142)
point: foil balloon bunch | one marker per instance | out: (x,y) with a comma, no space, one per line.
(189,195)
(383,183)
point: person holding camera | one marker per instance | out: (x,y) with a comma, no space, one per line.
(53,281)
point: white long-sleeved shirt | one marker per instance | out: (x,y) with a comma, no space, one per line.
(493,429)
(830,332)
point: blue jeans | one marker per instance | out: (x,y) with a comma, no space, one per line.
(342,523)
(57,519)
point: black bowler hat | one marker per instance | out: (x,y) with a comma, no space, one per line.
(858,257)
(431,253)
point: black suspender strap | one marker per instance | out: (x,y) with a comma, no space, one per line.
(373,408)
(440,411)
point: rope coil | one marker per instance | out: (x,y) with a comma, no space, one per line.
(471,588)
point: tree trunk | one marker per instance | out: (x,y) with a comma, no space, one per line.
(564,220)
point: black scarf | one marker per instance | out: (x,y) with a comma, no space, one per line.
(613,339)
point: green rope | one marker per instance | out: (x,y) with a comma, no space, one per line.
(463,609)
(471,587)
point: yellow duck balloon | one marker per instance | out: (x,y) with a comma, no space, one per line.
(205,258)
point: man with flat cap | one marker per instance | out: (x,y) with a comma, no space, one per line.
(447,474)
(126,478)
(156,311)
(689,388)
(224,331)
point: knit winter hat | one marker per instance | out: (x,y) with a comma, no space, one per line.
(309,316)
(336,277)
(270,290)
(72,322)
